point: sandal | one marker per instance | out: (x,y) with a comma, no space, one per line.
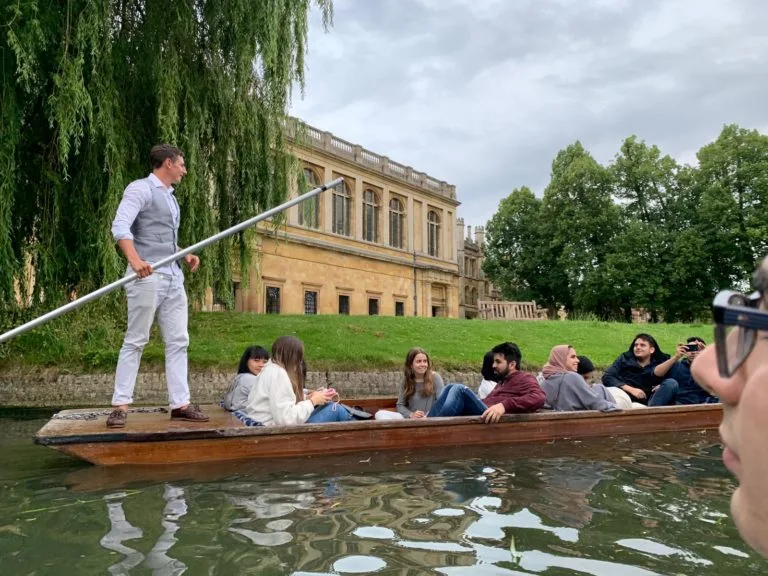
(191,412)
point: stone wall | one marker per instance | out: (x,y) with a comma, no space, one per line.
(49,389)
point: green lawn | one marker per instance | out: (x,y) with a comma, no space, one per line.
(90,341)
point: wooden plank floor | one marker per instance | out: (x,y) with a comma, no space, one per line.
(152,422)
(160,422)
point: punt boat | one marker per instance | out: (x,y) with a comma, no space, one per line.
(151,438)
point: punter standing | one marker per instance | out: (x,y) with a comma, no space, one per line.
(146,228)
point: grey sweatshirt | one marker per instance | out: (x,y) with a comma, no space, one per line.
(567,391)
(417,401)
(236,397)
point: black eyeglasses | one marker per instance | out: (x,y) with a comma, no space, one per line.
(738,319)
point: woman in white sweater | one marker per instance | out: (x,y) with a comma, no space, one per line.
(277,396)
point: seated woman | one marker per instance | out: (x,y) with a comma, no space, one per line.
(586,370)
(490,378)
(566,389)
(277,396)
(251,362)
(420,386)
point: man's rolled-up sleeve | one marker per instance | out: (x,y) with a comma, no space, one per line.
(135,197)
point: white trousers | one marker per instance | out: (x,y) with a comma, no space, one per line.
(623,400)
(162,296)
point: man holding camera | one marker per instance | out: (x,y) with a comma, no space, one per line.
(689,392)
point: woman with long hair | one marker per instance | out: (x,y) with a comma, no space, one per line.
(251,363)
(565,387)
(420,386)
(490,378)
(277,397)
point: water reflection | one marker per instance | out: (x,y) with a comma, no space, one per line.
(121,531)
(569,508)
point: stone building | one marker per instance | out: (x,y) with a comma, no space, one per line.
(382,243)
(473,284)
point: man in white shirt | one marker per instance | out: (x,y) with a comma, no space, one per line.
(146,229)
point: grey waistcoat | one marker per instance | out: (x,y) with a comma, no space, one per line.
(155,232)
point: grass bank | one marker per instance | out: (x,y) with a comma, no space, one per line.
(89,341)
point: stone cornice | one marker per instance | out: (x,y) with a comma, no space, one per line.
(309,137)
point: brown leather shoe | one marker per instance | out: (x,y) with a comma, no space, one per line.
(192,413)
(117,418)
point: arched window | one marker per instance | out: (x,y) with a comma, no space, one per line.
(309,210)
(396,221)
(370,216)
(340,209)
(433,239)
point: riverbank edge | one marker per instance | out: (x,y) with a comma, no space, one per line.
(56,389)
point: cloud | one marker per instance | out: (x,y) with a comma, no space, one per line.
(484,94)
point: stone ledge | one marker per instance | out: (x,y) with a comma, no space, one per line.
(57,390)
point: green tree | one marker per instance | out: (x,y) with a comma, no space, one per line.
(514,257)
(579,219)
(89,85)
(733,215)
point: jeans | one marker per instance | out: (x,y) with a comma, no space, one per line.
(457,400)
(162,296)
(665,393)
(331,412)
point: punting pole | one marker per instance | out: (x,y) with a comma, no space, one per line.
(178,255)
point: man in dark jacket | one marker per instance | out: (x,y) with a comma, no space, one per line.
(517,391)
(633,372)
(689,391)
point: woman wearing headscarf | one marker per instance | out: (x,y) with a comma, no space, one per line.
(566,389)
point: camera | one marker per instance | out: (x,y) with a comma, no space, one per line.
(693,347)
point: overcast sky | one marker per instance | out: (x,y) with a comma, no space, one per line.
(483,93)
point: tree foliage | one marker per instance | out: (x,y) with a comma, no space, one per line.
(643,232)
(88,86)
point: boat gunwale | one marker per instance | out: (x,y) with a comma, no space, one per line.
(357,425)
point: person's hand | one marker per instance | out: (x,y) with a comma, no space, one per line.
(493,414)
(681,351)
(635,392)
(142,268)
(417,414)
(318,397)
(192,261)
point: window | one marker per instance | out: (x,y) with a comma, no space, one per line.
(344,304)
(310,302)
(373,306)
(433,239)
(309,210)
(396,219)
(370,216)
(273,300)
(399,308)
(467,295)
(341,202)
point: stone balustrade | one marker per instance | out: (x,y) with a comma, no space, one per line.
(312,137)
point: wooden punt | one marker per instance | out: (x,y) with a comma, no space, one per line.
(152,438)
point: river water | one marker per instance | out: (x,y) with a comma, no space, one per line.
(657,505)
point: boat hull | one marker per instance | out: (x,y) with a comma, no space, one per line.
(152,438)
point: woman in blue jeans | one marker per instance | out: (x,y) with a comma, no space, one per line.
(277,396)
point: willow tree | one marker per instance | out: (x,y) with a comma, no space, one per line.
(89,85)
